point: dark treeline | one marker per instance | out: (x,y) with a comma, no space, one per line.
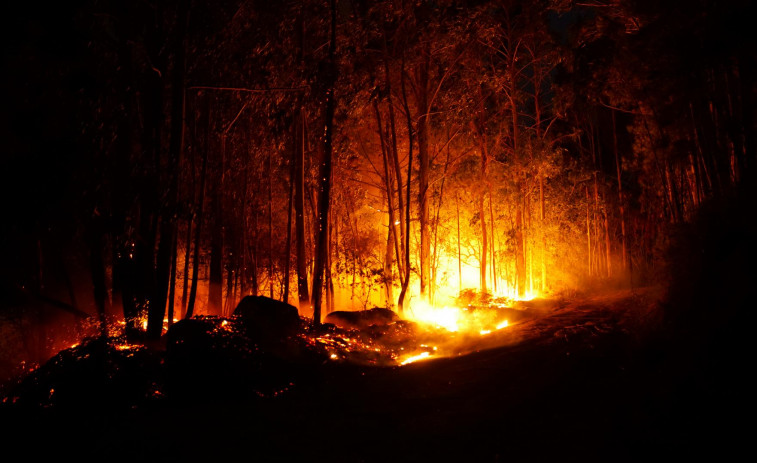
(165,159)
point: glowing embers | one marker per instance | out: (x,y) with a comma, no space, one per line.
(352,346)
(428,353)
(430,333)
(125,346)
(415,358)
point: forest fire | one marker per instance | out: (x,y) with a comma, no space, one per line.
(424,333)
(408,218)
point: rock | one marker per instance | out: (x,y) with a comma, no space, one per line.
(361,319)
(267,320)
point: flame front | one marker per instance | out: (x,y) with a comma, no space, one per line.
(415,358)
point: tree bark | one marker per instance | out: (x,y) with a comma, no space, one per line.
(325,172)
(198,234)
(423,168)
(621,208)
(299,208)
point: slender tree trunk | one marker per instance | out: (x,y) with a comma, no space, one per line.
(588,233)
(482,199)
(167,241)
(172,285)
(621,209)
(520,270)
(396,162)
(388,262)
(299,208)
(608,253)
(409,119)
(484,241)
(270,226)
(543,234)
(329,266)
(288,251)
(215,287)
(494,243)
(198,234)
(388,187)
(254,252)
(187,252)
(423,168)
(459,252)
(325,173)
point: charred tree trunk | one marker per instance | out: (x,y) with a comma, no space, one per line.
(167,241)
(215,288)
(299,208)
(270,226)
(290,203)
(172,285)
(198,234)
(325,172)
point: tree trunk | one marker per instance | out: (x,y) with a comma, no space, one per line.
(423,168)
(588,233)
(543,234)
(215,287)
(270,226)
(167,241)
(288,251)
(325,172)
(299,208)
(388,187)
(388,262)
(459,252)
(409,119)
(396,162)
(621,209)
(520,267)
(172,284)
(493,244)
(198,233)
(480,128)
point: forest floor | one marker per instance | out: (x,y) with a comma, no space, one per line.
(594,378)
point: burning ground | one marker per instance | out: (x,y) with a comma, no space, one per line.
(589,379)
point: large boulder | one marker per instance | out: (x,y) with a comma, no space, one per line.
(267,320)
(361,319)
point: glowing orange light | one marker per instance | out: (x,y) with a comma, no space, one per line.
(415,358)
(125,346)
